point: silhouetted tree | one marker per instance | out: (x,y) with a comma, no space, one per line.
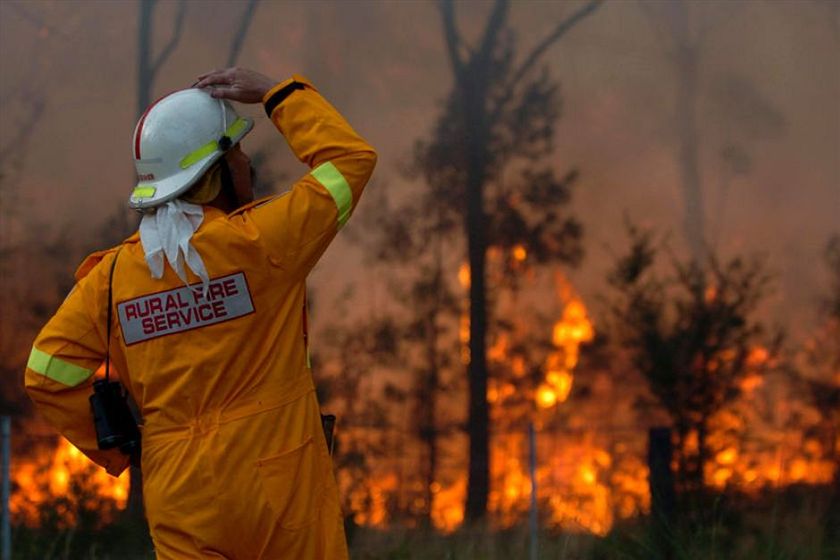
(344,369)
(500,113)
(823,361)
(683,31)
(409,239)
(690,334)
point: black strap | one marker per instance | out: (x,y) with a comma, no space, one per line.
(280,95)
(108,326)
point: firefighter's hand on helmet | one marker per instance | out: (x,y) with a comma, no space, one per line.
(236,84)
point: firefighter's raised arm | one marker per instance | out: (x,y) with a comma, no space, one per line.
(299,226)
(236,84)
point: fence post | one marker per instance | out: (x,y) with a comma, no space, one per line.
(6,530)
(662,492)
(532,453)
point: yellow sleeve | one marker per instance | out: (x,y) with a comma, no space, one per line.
(299,225)
(65,355)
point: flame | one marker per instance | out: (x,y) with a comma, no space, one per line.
(573,329)
(520,253)
(64,476)
(546,396)
(448,505)
(464,275)
(585,480)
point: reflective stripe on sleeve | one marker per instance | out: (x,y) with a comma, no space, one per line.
(57,370)
(328,175)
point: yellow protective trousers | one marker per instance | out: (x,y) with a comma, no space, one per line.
(234,462)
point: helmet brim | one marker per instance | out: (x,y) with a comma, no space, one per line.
(150,194)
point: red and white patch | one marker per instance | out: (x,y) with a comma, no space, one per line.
(184,309)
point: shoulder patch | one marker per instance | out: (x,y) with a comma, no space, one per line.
(185,308)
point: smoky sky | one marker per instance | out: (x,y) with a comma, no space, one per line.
(768,112)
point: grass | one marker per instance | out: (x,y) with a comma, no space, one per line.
(799,523)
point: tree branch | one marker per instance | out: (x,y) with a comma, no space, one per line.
(173,41)
(453,40)
(239,38)
(562,28)
(494,25)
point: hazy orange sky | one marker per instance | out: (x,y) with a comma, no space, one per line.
(383,64)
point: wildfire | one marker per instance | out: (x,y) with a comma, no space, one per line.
(586,479)
(67,480)
(573,329)
(448,505)
(750,450)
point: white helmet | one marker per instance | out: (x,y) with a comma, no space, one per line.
(177,139)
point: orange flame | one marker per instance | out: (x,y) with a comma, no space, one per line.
(65,474)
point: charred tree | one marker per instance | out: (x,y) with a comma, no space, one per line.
(365,421)
(690,335)
(682,43)
(686,61)
(498,112)
(410,239)
(821,375)
(241,32)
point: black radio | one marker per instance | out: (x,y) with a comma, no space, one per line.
(112,417)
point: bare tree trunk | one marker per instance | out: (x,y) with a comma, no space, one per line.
(478,427)
(472,75)
(702,454)
(686,60)
(428,394)
(144,55)
(689,149)
(478,423)
(673,24)
(241,32)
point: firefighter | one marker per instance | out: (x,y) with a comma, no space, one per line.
(209,325)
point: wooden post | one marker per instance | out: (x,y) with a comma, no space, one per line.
(662,494)
(532,448)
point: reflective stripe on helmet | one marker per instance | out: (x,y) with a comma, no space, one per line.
(143,191)
(328,175)
(57,370)
(197,155)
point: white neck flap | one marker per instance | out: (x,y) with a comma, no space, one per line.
(167,232)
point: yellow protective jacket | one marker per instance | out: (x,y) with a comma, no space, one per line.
(234,460)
